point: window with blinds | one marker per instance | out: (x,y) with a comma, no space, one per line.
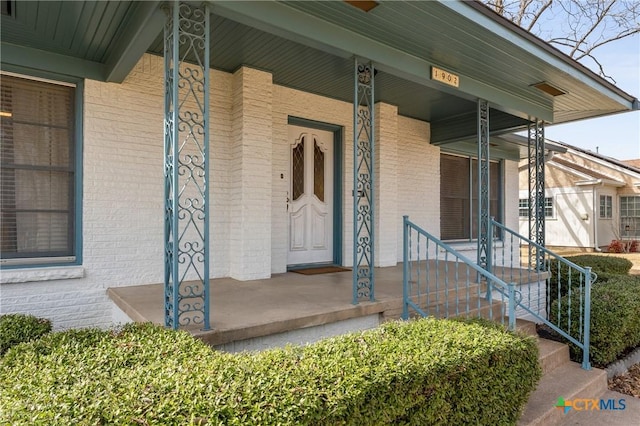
(37,187)
(459,196)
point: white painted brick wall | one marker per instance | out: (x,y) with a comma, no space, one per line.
(251,170)
(418,178)
(386,185)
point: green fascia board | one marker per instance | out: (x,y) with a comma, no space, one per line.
(29,58)
(138,34)
(470,148)
(547,53)
(284,21)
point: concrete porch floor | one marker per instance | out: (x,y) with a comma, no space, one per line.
(247,309)
(242,310)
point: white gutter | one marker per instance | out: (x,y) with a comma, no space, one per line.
(614,183)
(596,247)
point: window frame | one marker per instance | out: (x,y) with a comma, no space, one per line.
(607,206)
(549,208)
(64,80)
(635,219)
(473,195)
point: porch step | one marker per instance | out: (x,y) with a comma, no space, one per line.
(442,310)
(561,378)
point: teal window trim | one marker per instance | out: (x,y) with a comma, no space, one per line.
(338,184)
(78,162)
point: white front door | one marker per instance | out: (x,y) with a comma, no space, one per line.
(310,197)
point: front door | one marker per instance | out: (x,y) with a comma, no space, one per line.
(310,196)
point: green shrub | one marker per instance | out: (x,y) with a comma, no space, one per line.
(19,328)
(615,318)
(418,372)
(606,264)
(605,268)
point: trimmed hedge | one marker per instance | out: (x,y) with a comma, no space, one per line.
(605,267)
(615,319)
(603,264)
(417,372)
(19,328)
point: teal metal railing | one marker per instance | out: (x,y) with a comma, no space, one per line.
(440,281)
(553,290)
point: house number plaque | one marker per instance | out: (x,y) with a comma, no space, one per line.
(444,77)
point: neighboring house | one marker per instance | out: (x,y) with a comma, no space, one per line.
(89,195)
(590,199)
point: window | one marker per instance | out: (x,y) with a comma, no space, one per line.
(606,207)
(459,196)
(630,217)
(38,187)
(523,207)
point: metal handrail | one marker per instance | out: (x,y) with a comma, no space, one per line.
(544,260)
(493,282)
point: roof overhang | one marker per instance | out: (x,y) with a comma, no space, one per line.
(596,182)
(311,45)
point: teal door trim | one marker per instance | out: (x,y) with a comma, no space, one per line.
(337,177)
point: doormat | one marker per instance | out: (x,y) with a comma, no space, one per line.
(320,270)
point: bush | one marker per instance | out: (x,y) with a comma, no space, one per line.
(19,328)
(615,319)
(418,372)
(603,264)
(605,268)
(615,246)
(625,246)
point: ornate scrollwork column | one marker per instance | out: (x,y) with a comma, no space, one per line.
(363,178)
(536,192)
(484,217)
(186,165)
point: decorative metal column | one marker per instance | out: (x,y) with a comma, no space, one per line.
(536,192)
(186,166)
(363,199)
(484,218)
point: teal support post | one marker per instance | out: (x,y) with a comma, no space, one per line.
(536,192)
(512,306)
(186,165)
(405,267)
(484,218)
(363,182)
(586,364)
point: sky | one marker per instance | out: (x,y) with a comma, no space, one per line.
(616,136)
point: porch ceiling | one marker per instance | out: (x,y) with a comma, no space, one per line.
(310,46)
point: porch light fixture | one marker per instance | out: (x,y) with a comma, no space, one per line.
(363,5)
(5,114)
(549,89)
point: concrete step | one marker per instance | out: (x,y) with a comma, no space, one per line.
(477,307)
(569,381)
(526,327)
(552,355)
(451,310)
